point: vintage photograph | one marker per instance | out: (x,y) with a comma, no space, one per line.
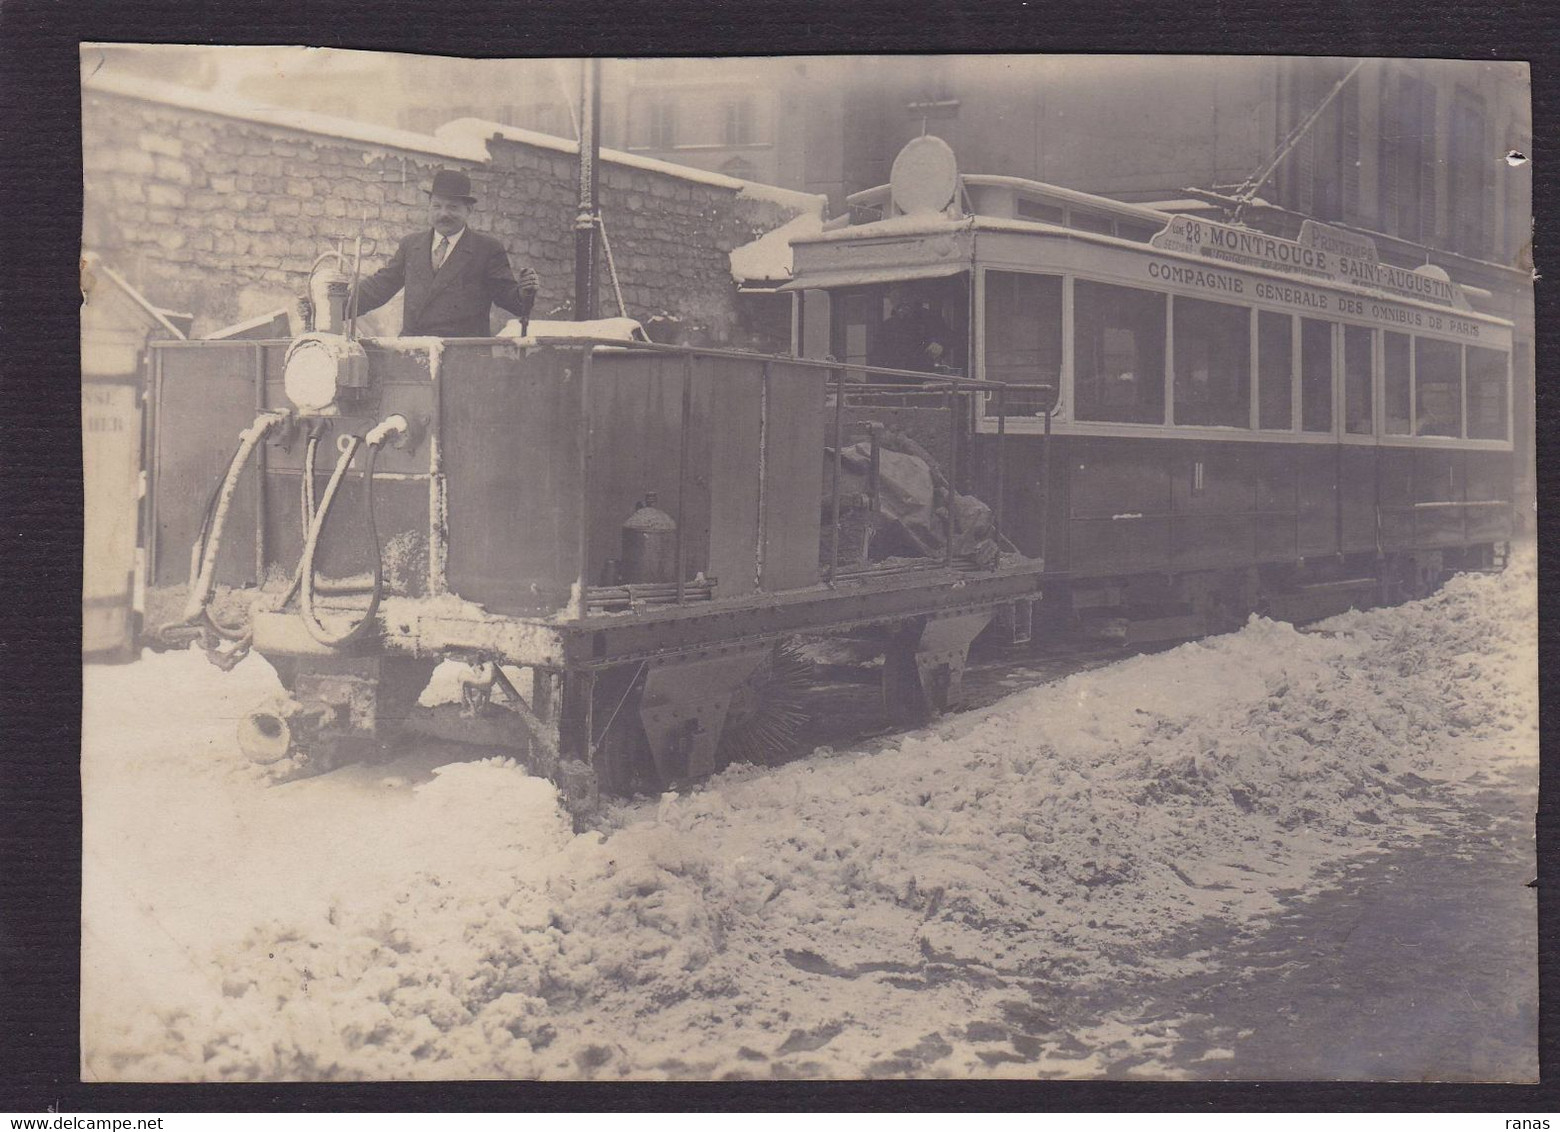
(807,568)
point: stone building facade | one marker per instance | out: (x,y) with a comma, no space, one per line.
(220,209)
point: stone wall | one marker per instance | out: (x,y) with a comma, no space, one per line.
(208,211)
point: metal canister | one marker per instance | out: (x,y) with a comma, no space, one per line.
(649,544)
(328,293)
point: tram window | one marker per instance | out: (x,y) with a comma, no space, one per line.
(1091,222)
(1275,370)
(917,325)
(1131,230)
(1357,415)
(1212,364)
(1437,387)
(1023,327)
(1397,409)
(1486,393)
(1316,375)
(1118,353)
(1039,210)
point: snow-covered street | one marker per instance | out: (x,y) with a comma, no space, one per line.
(1067,883)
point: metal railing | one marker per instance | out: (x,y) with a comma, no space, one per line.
(883,382)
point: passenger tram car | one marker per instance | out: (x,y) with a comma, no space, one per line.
(1010,410)
(1230,422)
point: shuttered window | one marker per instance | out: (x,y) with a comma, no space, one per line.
(1471,161)
(1407,160)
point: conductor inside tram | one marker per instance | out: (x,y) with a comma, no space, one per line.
(920,325)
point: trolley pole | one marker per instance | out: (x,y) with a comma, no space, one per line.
(585,219)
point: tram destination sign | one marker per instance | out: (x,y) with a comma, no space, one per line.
(1322,252)
(1313,301)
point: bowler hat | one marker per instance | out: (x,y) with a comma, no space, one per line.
(452,183)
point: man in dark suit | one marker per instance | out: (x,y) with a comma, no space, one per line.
(452,274)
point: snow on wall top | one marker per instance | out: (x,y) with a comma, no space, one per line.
(464,139)
(306,121)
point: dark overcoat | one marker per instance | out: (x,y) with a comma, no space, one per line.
(453,302)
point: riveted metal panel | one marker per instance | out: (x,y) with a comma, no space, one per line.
(793,477)
(508,445)
(1316,470)
(1357,497)
(204,397)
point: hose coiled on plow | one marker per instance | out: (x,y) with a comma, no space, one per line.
(208,542)
(305,577)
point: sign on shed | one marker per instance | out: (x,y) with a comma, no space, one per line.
(116,323)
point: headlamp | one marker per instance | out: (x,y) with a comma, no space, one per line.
(322,369)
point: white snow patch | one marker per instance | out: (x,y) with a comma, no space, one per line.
(769,256)
(850,915)
(617,329)
(895,226)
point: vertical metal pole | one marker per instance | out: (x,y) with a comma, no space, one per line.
(680,542)
(438,499)
(834,478)
(585,218)
(996,511)
(949,401)
(875,480)
(260,470)
(154,464)
(763,473)
(1045,483)
(584,511)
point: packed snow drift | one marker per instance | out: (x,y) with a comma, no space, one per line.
(869,912)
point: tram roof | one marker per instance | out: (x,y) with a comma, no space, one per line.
(839,274)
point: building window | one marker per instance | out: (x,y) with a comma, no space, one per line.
(1487,411)
(740,168)
(1396,378)
(1324,171)
(1471,201)
(1118,353)
(1275,370)
(1437,387)
(1407,161)
(1316,375)
(552,118)
(660,124)
(1358,417)
(1212,364)
(738,122)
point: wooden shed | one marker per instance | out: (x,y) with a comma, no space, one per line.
(117,322)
